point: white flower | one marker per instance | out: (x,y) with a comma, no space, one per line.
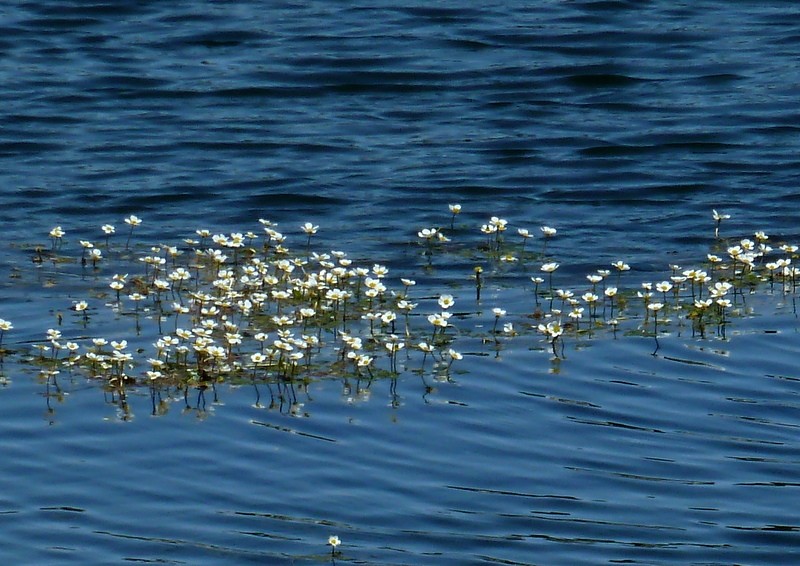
(309,228)
(549,267)
(552,329)
(720,288)
(735,251)
(404,305)
(438,320)
(664,287)
(498,223)
(576,313)
(394,346)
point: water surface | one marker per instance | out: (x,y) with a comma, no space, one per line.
(622,124)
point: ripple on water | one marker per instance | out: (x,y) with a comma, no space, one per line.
(622,124)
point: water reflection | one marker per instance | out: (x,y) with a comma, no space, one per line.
(244,309)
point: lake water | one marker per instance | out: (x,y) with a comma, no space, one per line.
(621,124)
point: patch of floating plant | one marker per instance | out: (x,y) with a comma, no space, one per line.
(245,308)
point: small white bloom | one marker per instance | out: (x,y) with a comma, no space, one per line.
(549,267)
(446,301)
(309,228)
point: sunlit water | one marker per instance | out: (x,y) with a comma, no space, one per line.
(622,125)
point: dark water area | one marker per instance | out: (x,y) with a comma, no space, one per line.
(586,115)
(620,123)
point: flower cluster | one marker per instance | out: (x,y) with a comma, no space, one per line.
(243,305)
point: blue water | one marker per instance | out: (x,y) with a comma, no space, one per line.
(623,124)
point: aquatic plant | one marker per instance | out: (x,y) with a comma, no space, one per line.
(56,235)
(333,542)
(455,210)
(718,218)
(242,307)
(5,326)
(133,221)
